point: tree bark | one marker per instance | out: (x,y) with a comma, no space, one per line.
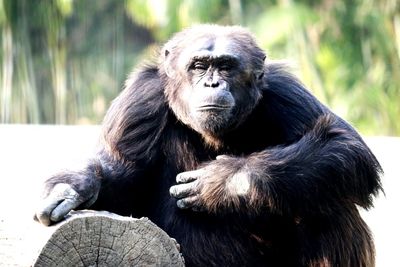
(92,238)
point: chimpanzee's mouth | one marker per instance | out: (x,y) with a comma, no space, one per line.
(212,107)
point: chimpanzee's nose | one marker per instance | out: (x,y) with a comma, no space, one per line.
(212,82)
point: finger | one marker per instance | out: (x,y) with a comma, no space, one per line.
(222,157)
(189,202)
(89,203)
(64,208)
(198,208)
(57,195)
(184,190)
(43,213)
(189,176)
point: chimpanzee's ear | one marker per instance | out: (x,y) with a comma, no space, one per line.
(259,72)
(167,62)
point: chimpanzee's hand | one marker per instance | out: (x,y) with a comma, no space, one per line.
(217,186)
(65,192)
(188,189)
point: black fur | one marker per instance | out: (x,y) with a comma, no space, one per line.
(309,169)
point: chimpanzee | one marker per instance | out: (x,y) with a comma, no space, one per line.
(232,156)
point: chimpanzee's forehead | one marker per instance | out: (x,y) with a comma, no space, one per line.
(209,46)
(213,45)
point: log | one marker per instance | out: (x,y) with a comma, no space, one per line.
(93,238)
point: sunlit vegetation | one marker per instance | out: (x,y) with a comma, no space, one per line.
(63,61)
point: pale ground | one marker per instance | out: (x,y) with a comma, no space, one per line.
(28,154)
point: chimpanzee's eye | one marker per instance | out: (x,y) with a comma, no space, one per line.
(200,66)
(227,64)
(225,67)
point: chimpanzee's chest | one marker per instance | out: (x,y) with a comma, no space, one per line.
(229,240)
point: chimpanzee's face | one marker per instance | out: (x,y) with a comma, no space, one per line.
(215,83)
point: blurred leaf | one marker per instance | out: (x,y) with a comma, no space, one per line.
(2,13)
(276,24)
(149,13)
(65,7)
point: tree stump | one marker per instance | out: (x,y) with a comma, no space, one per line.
(92,238)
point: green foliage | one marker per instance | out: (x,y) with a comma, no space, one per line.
(63,61)
(164,17)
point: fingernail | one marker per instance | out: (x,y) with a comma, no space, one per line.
(172,191)
(180,204)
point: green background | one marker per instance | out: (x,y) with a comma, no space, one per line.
(63,61)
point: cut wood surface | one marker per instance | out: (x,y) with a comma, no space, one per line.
(29,154)
(89,238)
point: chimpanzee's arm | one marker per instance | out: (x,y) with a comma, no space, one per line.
(131,130)
(327,163)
